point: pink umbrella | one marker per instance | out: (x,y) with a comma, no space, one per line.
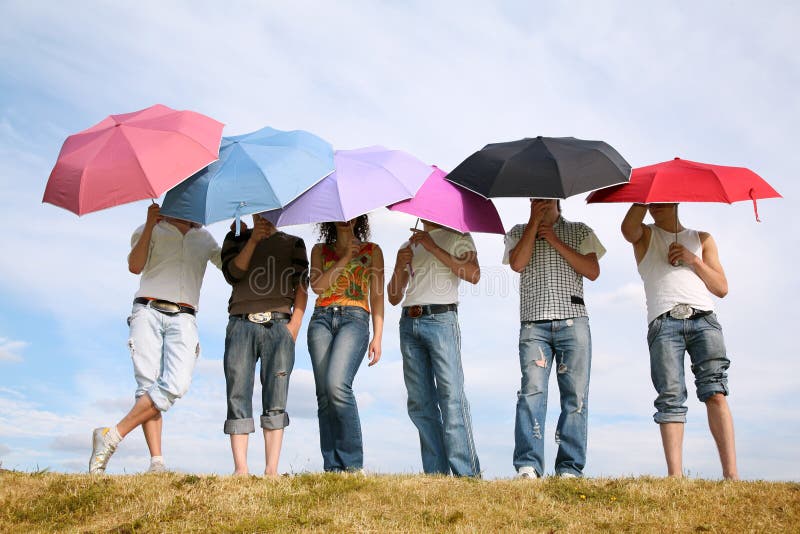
(444,203)
(131,157)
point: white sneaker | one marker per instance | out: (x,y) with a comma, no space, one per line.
(567,475)
(526,471)
(157,467)
(101,451)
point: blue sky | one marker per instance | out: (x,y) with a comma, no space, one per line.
(712,82)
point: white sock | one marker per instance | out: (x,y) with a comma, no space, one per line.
(156,460)
(112,437)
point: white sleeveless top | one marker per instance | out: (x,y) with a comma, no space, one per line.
(665,285)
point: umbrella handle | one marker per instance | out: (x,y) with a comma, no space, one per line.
(238,217)
(410,268)
(755,206)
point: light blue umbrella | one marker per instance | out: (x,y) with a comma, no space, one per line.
(259,171)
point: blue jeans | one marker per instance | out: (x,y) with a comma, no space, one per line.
(245,344)
(338,337)
(437,405)
(164,349)
(568,343)
(669,339)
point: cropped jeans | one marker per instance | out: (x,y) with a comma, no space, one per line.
(567,344)
(437,405)
(246,343)
(338,337)
(164,349)
(669,339)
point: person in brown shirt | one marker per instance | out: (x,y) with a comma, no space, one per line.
(268,272)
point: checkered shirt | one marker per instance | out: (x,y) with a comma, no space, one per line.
(549,286)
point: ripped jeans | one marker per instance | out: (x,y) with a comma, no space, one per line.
(567,344)
(245,343)
(164,349)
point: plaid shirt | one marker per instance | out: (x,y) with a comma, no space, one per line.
(550,288)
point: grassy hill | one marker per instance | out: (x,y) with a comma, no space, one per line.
(45,502)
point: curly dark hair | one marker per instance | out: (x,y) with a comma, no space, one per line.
(327,230)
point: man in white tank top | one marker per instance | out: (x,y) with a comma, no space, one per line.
(680,269)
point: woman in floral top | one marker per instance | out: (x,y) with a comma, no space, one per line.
(347,274)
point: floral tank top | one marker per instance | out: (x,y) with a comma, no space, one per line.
(351,288)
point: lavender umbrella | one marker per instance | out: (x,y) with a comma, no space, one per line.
(365,179)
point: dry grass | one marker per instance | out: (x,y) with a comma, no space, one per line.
(46,502)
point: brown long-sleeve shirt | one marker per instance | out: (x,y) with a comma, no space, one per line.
(279,264)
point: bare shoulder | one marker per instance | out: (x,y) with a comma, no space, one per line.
(705,236)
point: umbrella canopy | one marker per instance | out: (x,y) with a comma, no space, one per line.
(442,202)
(365,179)
(131,157)
(541,167)
(681,180)
(258,171)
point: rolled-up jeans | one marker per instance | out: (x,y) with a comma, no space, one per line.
(437,404)
(669,340)
(338,337)
(164,349)
(567,344)
(245,343)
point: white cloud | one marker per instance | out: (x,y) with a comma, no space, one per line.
(10,350)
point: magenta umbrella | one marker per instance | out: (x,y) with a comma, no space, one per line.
(444,203)
(132,156)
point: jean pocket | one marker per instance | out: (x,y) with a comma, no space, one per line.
(653,329)
(711,319)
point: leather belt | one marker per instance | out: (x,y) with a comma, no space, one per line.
(428,309)
(165,306)
(684,311)
(262,317)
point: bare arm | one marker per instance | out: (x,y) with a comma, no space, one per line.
(376,282)
(708,268)
(298,309)
(137,259)
(465,266)
(635,231)
(400,276)
(584,264)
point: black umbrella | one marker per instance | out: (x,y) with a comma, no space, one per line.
(541,167)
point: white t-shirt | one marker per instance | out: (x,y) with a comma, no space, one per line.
(176,263)
(432,281)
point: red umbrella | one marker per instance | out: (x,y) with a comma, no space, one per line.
(131,157)
(681,180)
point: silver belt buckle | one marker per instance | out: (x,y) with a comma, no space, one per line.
(260,317)
(681,311)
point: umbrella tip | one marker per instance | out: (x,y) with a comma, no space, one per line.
(677,157)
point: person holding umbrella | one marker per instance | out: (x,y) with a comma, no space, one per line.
(430,340)
(347,275)
(680,269)
(171,256)
(268,272)
(553,256)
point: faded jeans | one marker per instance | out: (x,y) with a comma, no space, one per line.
(245,343)
(164,349)
(437,405)
(669,339)
(338,337)
(566,343)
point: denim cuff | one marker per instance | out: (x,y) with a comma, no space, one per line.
(239,426)
(709,390)
(275,421)
(667,417)
(160,400)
